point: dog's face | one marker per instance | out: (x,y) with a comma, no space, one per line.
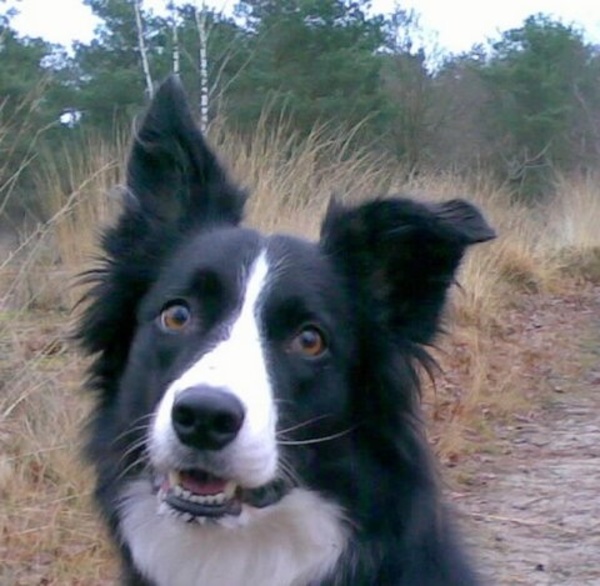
(241,347)
(233,366)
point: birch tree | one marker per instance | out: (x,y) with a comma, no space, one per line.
(200,14)
(175,37)
(137,6)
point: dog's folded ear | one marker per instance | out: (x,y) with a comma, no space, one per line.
(400,257)
(172,175)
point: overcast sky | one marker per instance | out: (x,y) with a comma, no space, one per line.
(454,24)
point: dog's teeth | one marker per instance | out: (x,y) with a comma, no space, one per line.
(230,489)
(203,499)
(183,493)
(174,478)
(178,491)
(187,517)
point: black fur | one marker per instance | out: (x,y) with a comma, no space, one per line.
(376,280)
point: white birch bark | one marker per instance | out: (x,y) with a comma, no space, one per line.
(175,33)
(137,4)
(204,89)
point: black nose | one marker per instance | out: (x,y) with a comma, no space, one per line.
(206,417)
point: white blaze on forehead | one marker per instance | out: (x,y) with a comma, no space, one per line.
(238,366)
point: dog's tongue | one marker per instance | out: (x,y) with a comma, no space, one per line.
(202,483)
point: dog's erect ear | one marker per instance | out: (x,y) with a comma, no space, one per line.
(400,256)
(172,174)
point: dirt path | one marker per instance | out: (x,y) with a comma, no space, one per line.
(534,512)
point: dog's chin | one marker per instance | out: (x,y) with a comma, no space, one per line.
(197,495)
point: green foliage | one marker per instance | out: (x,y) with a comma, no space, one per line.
(108,72)
(525,107)
(315,60)
(230,54)
(30,105)
(539,78)
(21,64)
(408,92)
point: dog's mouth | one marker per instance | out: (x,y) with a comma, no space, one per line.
(197,494)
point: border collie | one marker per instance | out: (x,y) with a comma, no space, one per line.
(257,414)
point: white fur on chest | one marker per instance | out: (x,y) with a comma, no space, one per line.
(289,544)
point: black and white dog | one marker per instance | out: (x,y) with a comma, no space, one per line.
(257,418)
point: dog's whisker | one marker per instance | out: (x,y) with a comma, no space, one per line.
(136,430)
(287,472)
(316,440)
(141,433)
(140,424)
(142,460)
(303,424)
(280,401)
(133,448)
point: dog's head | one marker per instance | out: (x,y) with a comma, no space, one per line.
(232,365)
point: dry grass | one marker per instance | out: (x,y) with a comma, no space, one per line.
(16,129)
(292,180)
(49,532)
(573,228)
(48,527)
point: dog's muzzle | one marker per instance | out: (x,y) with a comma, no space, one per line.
(198,495)
(208,419)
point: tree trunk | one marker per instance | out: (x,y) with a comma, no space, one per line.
(175,33)
(142,47)
(203,38)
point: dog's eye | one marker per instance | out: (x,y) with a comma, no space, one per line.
(308,342)
(175,317)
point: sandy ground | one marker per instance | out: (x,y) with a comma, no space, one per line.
(533,514)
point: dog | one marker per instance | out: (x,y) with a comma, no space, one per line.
(257,400)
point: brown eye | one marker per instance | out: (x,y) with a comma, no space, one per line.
(308,342)
(175,317)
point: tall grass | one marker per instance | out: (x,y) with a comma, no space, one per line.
(292,179)
(49,531)
(18,138)
(573,229)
